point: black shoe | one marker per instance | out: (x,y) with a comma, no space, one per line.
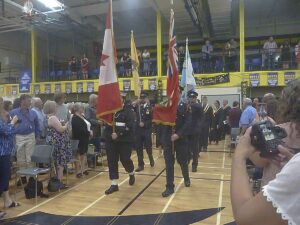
(187,182)
(139,169)
(167,192)
(112,189)
(131,180)
(194,169)
(24,181)
(151,161)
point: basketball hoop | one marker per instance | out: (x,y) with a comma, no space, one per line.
(28,7)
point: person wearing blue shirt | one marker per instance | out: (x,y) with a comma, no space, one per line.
(7,130)
(37,107)
(248,116)
(26,132)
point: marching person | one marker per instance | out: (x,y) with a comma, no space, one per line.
(216,128)
(143,131)
(119,140)
(205,124)
(194,132)
(178,141)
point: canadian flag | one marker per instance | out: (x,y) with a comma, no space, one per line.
(109,98)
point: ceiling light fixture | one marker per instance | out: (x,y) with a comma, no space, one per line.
(52,4)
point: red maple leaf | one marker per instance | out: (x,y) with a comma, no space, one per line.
(103,58)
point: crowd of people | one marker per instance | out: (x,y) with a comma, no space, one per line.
(27,122)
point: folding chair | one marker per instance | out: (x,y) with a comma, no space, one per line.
(41,154)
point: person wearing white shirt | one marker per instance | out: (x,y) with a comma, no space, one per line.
(207,50)
(279,201)
(270,48)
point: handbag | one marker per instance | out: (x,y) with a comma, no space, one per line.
(30,190)
(54,184)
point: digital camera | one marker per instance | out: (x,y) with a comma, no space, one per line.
(266,137)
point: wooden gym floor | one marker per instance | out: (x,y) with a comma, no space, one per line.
(210,188)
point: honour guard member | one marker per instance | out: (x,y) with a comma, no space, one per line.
(205,124)
(194,132)
(143,131)
(174,140)
(119,141)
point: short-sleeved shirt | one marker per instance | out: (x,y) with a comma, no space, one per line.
(284,191)
(248,116)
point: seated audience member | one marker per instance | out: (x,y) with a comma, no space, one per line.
(248,116)
(235,115)
(57,136)
(278,202)
(7,132)
(81,130)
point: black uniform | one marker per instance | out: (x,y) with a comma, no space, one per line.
(216,128)
(226,127)
(205,126)
(194,133)
(183,124)
(121,147)
(143,134)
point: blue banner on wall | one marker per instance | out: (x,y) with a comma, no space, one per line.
(25,80)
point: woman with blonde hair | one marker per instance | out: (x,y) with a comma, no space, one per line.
(57,136)
(7,133)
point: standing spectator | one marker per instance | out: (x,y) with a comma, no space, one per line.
(248,116)
(27,130)
(270,48)
(126,61)
(90,115)
(85,67)
(146,62)
(7,132)
(207,50)
(216,128)
(297,53)
(231,55)
(235,115)
(7,106)
(16,103)
(62,111)
(226,110)
(181,57)
(285,55)
(58,137)
(81,130)
(73,68)
(37,107)
(255,103)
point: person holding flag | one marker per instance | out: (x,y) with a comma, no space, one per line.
(188,85)
(118,118)
(175,121)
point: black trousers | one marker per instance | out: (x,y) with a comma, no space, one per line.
(203,139)
(118,151)
(143,139)
(181,151)
(5,171)
(193,146)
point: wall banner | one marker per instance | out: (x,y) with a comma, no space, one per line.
(288,76)
(273,79)
(254,79)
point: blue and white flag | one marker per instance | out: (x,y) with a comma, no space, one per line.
(187,82)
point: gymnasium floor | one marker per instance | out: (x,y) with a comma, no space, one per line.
(85,199)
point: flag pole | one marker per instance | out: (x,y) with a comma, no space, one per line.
(186,67)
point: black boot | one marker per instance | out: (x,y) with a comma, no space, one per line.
(151,160)
(167,192)
(131,179)
(139,169)
(187,182)
(194,169)
(112,189)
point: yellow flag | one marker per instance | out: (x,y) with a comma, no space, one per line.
(135,68)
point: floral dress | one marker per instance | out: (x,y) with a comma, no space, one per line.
(62,146)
